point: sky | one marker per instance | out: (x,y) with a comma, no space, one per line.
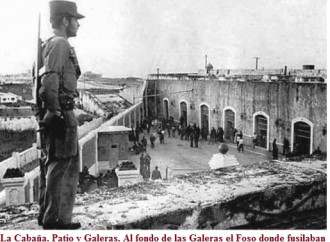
(125,38)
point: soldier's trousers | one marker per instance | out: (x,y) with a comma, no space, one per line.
(61,187)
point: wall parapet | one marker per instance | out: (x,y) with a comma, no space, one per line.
(89,126)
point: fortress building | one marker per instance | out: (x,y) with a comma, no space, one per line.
(273,104)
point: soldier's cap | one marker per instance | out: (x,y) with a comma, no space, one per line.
(64,7)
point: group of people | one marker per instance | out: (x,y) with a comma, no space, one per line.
(145,161)
(86,180)
(286,148)
(216,136)
(141,145)
(191,133)
(155,129)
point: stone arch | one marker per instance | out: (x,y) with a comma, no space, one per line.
(228,114)
(204,116)
(261,128)
(166,109)
(297,135)
(183,111)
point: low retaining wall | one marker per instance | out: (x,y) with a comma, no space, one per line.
(218,199)
(88,143)
(18,160)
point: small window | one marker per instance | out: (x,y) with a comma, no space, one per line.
(114,146)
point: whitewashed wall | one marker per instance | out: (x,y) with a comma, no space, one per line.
(86,132)
(11,162)
(18,124)
(134,92)
(91,104)
(20,159)
(89,126)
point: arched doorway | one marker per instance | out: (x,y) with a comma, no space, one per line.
(183,114)
(302,137)
(204,111)
(261,129)
(229,122)
(165,108)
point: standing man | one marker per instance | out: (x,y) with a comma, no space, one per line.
(142,169)
(152,140)
(144,143)
(146,175)
(192,137)
(212,136)
(221,132)
(275,150)
(240,144)
(254,140)
(156,174)
(197,133)
(58,90)
(205,133)
(286,146)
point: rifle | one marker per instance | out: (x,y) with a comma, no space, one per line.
(39,113)
(38,106)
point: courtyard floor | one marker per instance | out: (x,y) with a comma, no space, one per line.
(177,155)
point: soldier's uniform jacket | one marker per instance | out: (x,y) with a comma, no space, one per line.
(58,90)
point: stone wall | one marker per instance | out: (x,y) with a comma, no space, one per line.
(133,92)
(18,160)
(87,144)
(91,104)
(282,102)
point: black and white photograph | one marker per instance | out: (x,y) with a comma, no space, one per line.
(169,115)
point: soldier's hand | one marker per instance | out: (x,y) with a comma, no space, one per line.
(50,116)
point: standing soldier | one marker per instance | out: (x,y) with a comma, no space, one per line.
(58,90)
